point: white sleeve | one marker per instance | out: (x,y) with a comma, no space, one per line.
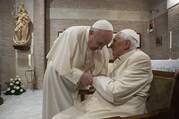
(74,76)
(101,83)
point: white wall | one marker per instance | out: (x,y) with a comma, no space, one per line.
(171,3)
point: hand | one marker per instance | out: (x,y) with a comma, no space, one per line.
(86,79)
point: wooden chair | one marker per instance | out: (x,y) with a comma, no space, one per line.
(153,115)
(175,104)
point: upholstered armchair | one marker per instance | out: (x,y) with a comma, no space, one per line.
(162,102)
(175,103)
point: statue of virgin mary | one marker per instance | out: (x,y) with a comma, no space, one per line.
(23,29)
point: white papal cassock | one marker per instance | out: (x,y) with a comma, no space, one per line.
(68,58)
(124,94)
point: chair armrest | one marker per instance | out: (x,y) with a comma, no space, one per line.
(116,117)
(152,115)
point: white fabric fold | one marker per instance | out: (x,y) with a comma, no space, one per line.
(101,83)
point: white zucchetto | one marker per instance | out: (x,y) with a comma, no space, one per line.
(103,25)
(132,33)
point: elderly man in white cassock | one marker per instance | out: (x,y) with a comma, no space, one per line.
(75,56)
(125,91)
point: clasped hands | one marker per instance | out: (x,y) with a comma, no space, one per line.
(86,79)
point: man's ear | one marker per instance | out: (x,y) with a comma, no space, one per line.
(127,45)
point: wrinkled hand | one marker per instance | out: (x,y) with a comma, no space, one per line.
(86,79)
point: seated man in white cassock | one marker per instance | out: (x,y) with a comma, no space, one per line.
(78,50)
(125,91)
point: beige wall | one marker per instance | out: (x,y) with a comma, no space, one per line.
(159,19)
(173,26)
(121,13)
(165,21)
(7,53)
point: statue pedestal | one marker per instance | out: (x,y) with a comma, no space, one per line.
(27,47)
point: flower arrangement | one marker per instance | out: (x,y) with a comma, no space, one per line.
(14,87)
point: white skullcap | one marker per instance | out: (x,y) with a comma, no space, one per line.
(131,33)
(103,25)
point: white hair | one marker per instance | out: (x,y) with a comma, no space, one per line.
(126,36)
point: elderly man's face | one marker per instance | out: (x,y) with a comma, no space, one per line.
(98,39)
(119,46)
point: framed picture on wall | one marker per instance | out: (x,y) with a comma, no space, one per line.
(139,43)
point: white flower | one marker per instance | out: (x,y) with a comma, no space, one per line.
(17,87)
(12,91)
(21,90)
(11,79)
(19,79)
(8,89)
(11,84)
(17,82)
(14,87)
